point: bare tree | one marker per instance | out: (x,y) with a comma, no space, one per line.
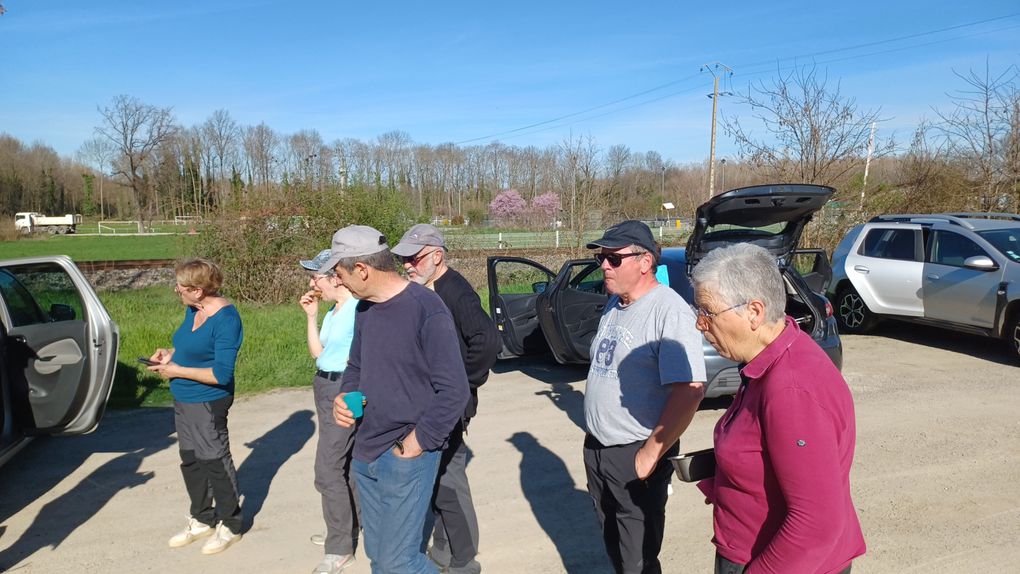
(136,130)
(812,133)
(979,127)
(260,143)
(221,132)
(98,152)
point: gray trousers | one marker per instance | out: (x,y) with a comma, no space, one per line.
(332,472)
(455,534)
(632,512)
(206,464)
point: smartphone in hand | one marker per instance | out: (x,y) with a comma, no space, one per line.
(147,362)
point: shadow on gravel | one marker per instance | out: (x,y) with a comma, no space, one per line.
(560,392)
(565,396)
(269,453)
(47,461)
(992,350)
(563,511)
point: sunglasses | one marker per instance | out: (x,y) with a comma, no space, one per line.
(614,259)
(414,261)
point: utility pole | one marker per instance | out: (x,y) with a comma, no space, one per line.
(867,163)
(715,103)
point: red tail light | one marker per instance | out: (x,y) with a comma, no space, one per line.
(828,309)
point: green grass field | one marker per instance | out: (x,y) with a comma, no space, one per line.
(274,353)
(94,248)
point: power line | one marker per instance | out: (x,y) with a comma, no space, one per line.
(550,125)
(529,129)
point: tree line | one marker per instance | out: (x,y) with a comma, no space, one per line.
(142,164)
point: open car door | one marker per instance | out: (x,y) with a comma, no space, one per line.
(60,346)
(570,310)
(813,265)
(515,285)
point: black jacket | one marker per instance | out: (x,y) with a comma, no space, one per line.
(479,340)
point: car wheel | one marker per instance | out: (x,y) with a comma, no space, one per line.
(852,314)
(1012,334)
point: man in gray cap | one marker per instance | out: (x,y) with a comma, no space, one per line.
(405,359)
(644,385)
(455,535)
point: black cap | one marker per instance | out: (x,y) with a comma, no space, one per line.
(630,232)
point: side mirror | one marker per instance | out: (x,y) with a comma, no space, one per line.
(980,263)
(61,312)
(539,287)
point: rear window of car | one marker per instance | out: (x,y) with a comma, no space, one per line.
(889,244)
(1007,241)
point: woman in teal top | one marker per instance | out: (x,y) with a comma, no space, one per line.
(330,345)
(200,367)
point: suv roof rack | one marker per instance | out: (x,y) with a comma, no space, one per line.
(986,215)
(925,217)
(959,218)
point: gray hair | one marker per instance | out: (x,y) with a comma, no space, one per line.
(380,260)
(741,273)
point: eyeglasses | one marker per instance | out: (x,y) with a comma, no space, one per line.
(413,260)
(707,316)
(615,259)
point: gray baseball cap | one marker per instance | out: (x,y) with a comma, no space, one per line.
(354,241)
(421,235)
(315,263)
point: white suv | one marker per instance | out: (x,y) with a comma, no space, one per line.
(958,271)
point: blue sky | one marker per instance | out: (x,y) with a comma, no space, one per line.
(474,72)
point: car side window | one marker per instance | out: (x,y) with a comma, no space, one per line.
(889,244)
(953,249)
(39,293)
(587,278)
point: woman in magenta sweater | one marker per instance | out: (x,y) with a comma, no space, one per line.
(784,448)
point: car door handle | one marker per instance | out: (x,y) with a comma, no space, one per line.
(933,277)
(862,269)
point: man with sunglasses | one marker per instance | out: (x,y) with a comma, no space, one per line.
(455,535)
(644,385)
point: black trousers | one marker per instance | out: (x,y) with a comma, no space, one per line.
(632,512)
(724,566)
(206,464)
(455,533)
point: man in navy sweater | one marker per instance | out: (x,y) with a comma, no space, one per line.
(406,360)
(455,535)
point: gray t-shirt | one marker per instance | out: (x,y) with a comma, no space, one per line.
(639,350)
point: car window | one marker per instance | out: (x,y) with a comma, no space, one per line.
(587,278)
(889,244)
(514,277)
(1007,241)
(39,293)
(950,248)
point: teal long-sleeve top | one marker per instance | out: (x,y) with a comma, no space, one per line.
(215,344)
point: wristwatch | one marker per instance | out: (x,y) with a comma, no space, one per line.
(399,443)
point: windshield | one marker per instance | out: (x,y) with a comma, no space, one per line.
(1007,241)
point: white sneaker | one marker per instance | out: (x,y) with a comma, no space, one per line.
(334,564)
(220,541)
(193,532)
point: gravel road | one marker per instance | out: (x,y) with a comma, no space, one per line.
(935,477)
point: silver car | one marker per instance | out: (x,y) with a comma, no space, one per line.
(58,351)
(957,271)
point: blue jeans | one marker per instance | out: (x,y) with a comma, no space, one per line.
(395,496)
